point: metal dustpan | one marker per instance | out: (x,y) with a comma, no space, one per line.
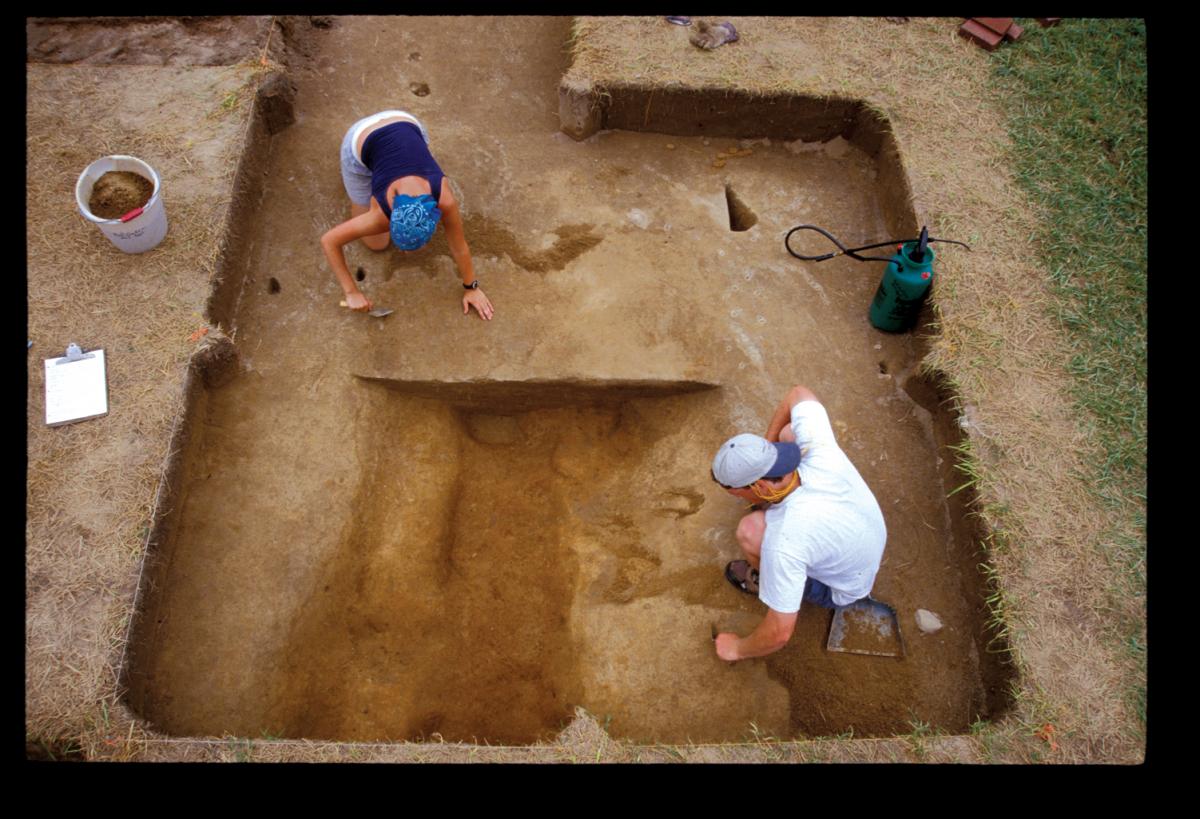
(866,626)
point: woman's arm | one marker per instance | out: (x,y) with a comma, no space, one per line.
(335,239)
(457,240)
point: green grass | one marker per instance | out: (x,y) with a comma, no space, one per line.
(1076,97)
(917,740)
(1078,123)
(966,463)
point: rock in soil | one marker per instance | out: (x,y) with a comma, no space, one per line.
(928,622)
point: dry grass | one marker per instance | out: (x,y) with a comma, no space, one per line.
(91,486)
(582,741)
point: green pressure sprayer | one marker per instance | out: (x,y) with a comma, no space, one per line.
(906,279)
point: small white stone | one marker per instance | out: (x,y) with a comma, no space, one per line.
(928,622)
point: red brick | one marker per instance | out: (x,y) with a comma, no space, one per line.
(1014,32)
(1048,21)
(996,24)
(984,37)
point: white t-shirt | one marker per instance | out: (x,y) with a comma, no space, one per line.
(830,528)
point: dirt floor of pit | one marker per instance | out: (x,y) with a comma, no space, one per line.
(308,591)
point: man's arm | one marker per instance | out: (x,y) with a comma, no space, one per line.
(334,239)
(783,412)
(771,635)
(457,240)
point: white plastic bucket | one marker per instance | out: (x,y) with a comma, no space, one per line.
(139,232)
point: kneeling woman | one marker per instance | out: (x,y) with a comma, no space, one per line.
(397,191)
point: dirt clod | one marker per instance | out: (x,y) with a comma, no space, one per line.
(277,100)
(118,192)
(175,41)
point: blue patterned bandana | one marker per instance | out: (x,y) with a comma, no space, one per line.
(413,220)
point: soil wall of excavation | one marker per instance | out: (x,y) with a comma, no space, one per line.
(997,673)
(785,117)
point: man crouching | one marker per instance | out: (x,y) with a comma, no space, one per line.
(819,535)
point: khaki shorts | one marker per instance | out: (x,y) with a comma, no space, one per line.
(355,175)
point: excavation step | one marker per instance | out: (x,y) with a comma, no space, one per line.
(520,395)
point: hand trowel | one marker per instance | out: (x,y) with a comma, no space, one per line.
(378,312)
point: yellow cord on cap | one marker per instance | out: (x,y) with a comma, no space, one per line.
(776,495)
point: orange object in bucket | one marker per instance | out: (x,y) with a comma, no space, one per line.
(140,229)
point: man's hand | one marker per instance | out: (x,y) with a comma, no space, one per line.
(727,647)
(357,301)
(476,299)
(771,635)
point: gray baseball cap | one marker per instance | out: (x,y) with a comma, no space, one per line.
(745,458)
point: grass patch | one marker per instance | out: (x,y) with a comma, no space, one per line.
(1076,97)
(1078,123)
(918,739)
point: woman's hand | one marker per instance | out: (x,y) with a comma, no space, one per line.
(476,299)
(357,301)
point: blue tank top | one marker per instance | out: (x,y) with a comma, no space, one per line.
(398,150)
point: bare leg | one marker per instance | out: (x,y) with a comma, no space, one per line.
(379,241)
(750,535)
(786,434)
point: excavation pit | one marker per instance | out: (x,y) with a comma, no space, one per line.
(435,527)
(447,609)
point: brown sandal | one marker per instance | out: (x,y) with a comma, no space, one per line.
(742,576)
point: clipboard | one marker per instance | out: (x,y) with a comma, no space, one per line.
(76,387)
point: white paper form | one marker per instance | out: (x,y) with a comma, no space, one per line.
(76,390)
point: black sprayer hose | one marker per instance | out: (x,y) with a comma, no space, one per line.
(852,252)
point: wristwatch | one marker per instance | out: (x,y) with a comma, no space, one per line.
(472,286)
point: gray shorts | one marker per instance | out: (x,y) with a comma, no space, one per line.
(355,175)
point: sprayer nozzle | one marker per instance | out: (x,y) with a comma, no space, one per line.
(918,255)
